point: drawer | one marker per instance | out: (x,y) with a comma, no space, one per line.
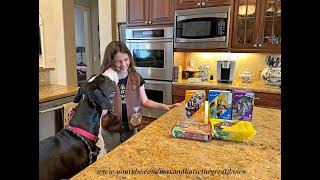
(267,100)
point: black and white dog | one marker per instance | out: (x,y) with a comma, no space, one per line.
(74,147)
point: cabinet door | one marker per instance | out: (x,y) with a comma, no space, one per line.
(161,12)
(268,100)
(187,4)
(246,25)
(270,25)
(137,12)
(211,3)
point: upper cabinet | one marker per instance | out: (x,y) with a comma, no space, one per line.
(257,25)
(149,12)
(190,4)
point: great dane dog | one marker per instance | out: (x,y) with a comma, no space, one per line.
(74,147)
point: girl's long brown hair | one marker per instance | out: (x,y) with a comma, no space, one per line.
(111,50)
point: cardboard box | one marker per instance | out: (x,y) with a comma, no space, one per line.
(220,104)
(191,130)
(195,105)
(232,130)
(242,105)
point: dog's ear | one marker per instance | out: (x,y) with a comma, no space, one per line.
(79,95)
(99,99)
(107,87)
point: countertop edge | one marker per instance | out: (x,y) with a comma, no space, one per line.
(51,98)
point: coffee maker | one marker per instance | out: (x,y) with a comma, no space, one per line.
(225,70)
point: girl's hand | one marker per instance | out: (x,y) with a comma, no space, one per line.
(168,107)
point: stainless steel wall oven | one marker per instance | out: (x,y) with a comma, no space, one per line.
(152,50)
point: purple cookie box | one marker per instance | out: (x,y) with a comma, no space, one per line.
(242,105)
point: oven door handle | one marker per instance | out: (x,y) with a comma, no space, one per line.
(51,109)
(158,82)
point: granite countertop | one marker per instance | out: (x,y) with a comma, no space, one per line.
(50,92)
(154,149)
(257,86)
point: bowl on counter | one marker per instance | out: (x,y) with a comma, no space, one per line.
(271,76)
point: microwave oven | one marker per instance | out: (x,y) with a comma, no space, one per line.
(202,28)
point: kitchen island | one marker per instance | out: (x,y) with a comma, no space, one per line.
(54,103)
(51,92)
(154,154)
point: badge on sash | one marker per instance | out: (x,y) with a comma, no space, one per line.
(136,118)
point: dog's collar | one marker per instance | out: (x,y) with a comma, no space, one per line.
(84,133)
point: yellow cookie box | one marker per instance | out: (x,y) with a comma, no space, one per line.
(195,105)
(232,130)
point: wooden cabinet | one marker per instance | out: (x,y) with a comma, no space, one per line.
(257,25)
(190,4)
(262,99)
(149,12)
(267,100)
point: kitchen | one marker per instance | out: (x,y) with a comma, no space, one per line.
(251,35)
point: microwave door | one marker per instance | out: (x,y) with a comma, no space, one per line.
(202,28)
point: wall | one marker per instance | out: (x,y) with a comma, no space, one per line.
(105,25)
(58,32)
(95,36)
(49,12)
(121,12)
(253,62)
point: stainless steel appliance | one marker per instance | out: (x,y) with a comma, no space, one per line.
(51,117)
(159,91)
(202,28)
(152,50)
(225,71)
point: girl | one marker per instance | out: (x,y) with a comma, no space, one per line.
(121,123)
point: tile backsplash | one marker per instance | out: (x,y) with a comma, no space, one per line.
(253,62)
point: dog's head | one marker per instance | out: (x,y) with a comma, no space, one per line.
(100,91)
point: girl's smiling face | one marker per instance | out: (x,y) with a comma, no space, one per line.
(121,62)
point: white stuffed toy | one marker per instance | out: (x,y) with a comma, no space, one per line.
(109,73)
(112,75)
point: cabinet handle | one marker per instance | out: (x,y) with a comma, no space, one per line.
(198,4)
(254,45)
(260,45)
(150,22)
(256,98)
(146,22)
(203,4)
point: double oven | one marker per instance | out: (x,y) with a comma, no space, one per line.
(152,50)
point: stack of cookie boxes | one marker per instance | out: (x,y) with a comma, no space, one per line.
(229,116)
